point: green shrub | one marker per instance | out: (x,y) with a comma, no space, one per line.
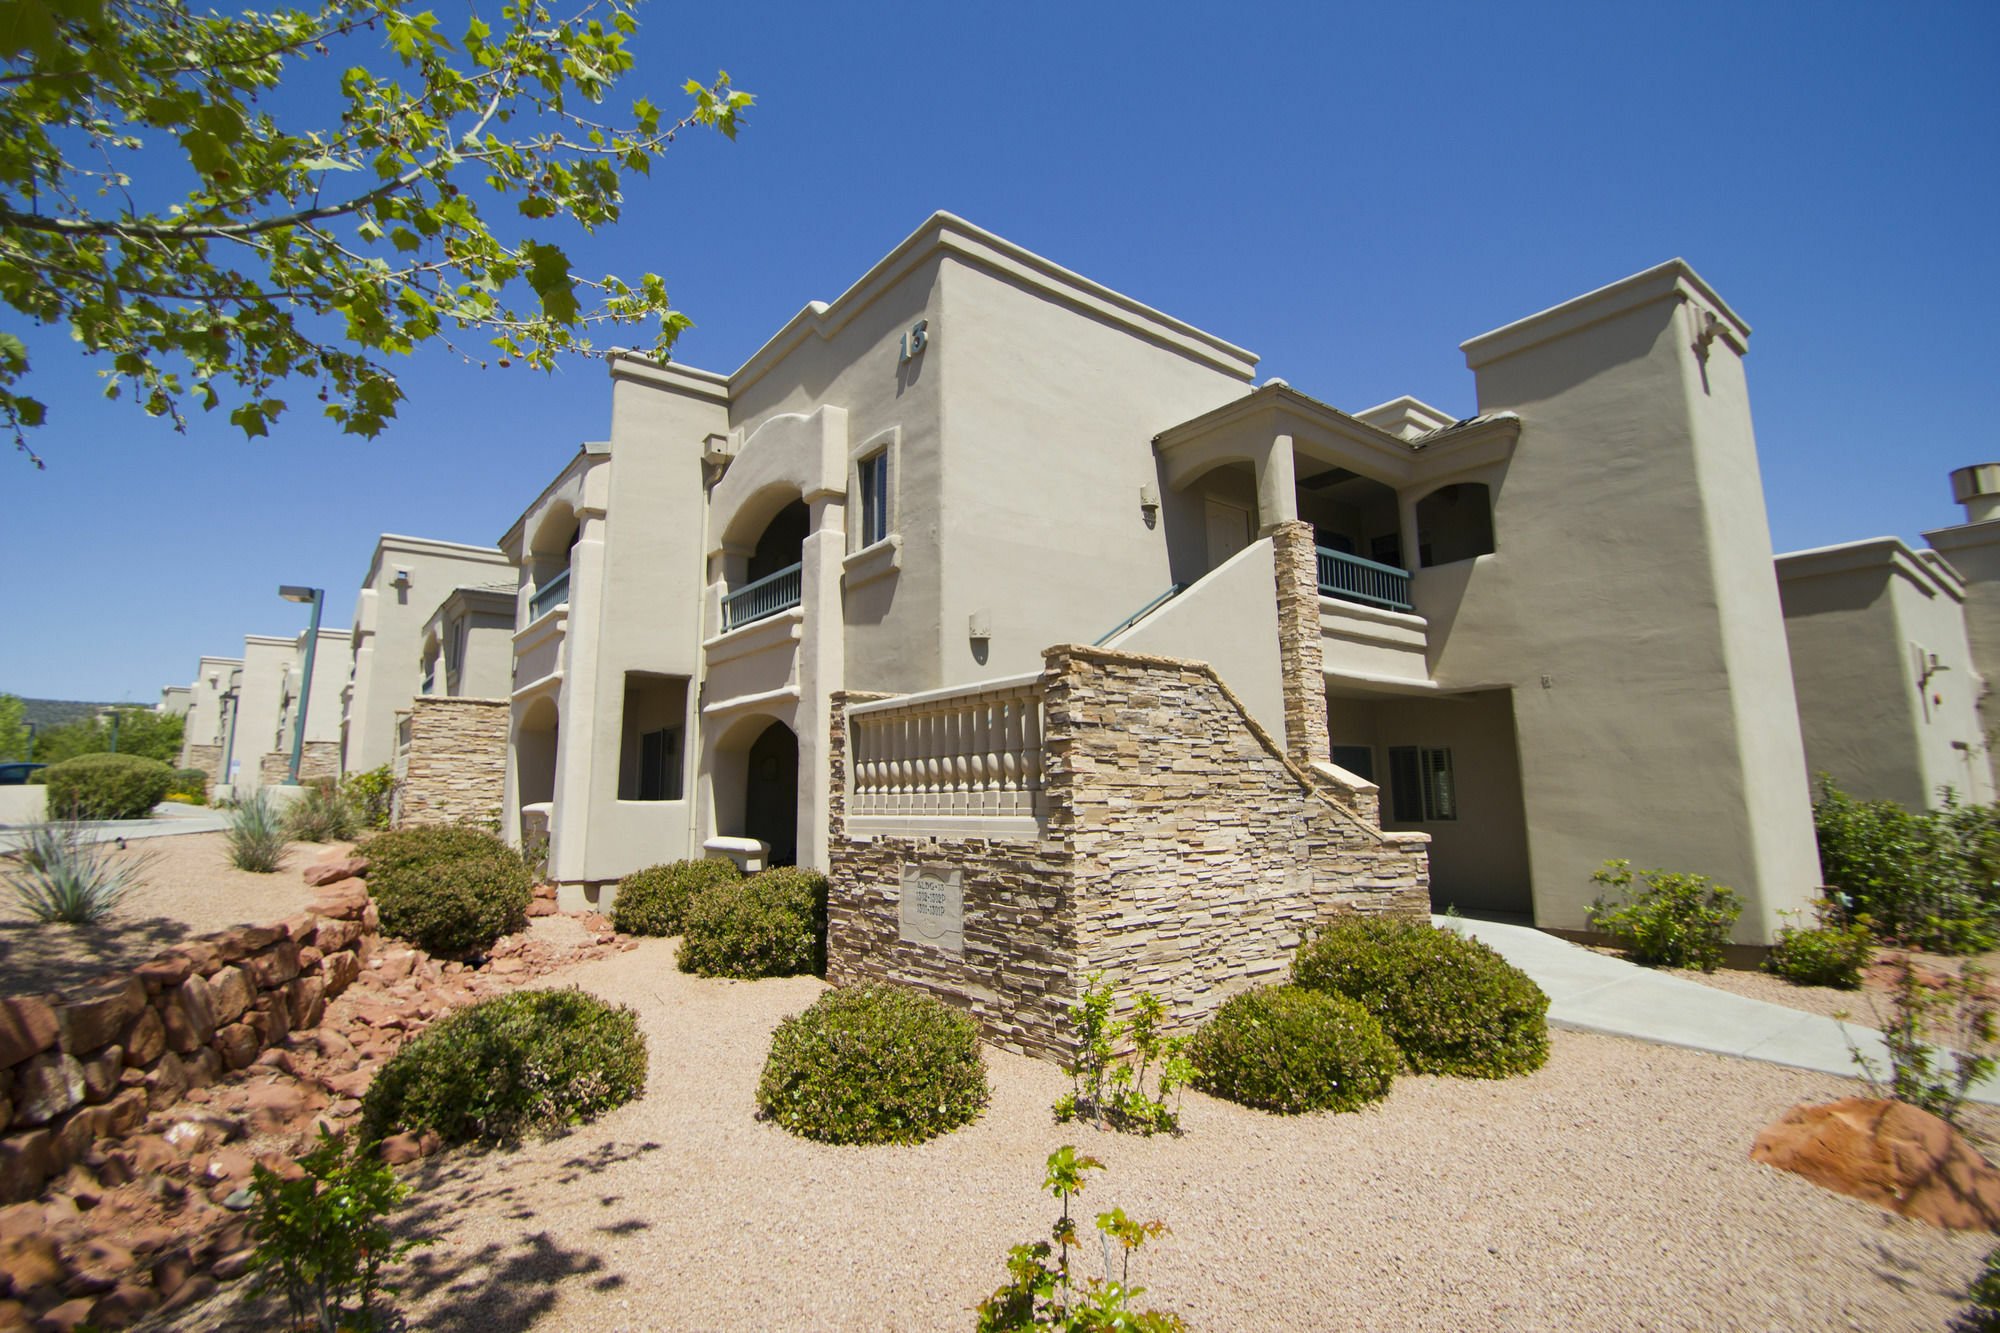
(772,924)
(1451,1004)
(526,1062)
(1111,1092)
(1677,920)
(654,901)
(1290,1050)
(371,795)
(321,1237)
(1922,878)
(321,815)
(256,834)
(874,1063)
(448,889)
(106,786)
(1826,955)
(1982,1314)
(191,784)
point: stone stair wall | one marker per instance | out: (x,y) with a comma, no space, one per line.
(456,768)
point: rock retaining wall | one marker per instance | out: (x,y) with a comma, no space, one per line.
(318,759)
(456,768)
(1184,852)
(95,1061)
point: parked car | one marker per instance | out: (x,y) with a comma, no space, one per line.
(14,775)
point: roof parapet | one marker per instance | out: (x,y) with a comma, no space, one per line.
(1675,279)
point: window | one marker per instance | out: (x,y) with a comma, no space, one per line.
(1454,523)
(660,765)
(1421,790)
(1356,759)
(873,481)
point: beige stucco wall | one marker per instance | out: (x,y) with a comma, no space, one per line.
(1974,552)
(1631,603)
(259,700)
(330,668)
(386,638)
(205,724)
(1856,616)
(1229,620)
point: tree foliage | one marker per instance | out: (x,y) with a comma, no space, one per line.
(13,727)
(138,730)
(154,201)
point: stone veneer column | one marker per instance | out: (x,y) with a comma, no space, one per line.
(1299,654)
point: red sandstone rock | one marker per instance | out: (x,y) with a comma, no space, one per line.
(126,1304)
(95,1019)
(165,972)
(144,1039)
(188,1014)
(27,1027)
(542,907)
(202,956)
(328,872)
(240,942)
(166,1083)
(345,900)
(1889,1153)
(232,1266)
(237,1044)
(30,1261)
(232,994)
(332,936)
(273,966)
(66,1317)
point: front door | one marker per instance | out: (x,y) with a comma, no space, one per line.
(771,793)
(1228,531)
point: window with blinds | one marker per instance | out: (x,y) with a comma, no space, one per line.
(1421,790)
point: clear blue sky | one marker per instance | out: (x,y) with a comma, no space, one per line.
(1350,191)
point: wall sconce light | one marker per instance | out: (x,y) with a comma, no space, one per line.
(1149,503)
(401,582)
(979,625)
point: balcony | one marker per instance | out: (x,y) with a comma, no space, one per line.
(1352,579)
(549,596)
(764,598)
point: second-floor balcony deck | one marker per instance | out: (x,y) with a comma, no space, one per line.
(763,598)
(549,596)
(1352,579)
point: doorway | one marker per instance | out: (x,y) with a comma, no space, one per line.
(771,793)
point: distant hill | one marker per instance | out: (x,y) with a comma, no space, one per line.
(41,713)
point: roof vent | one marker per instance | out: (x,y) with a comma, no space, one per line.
(1978,489)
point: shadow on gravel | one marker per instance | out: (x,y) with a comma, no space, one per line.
(37,958)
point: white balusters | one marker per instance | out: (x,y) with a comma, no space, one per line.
(972,753)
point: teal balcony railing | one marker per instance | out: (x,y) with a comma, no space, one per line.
(549,596)
(1352,579)
(766,597)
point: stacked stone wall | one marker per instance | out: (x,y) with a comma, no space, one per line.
(1016,974)
(317,759)
(207,758)
(1301,655)
(457,762)
(1184,853)
(98,1059)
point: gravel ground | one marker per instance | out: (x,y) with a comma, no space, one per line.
(187,888)
(1859,1006)
(1610,1191)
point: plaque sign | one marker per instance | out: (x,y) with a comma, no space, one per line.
(932,910)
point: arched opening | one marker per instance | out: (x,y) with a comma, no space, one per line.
(535,752)
(771,793)
(548,560)
(1455,522)
(771,577)
(1357,529)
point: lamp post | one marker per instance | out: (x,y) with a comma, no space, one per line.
(315,596)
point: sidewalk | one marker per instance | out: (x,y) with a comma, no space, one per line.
(168,819)
(1594,992)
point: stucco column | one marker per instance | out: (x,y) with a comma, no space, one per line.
(822,668)
(1277,486)
(581,722)
(1300,660)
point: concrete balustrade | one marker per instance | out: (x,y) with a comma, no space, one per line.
(972,752)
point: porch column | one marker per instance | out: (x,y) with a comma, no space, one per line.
(1300,659)
(1277,488)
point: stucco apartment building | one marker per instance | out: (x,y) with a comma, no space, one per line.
(857,593)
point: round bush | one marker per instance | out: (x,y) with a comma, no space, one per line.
(106,786)
(191,783)
(772,924)
(654,901)
(1824,956)
(1283,1049)
(1451,1005)
(874,1063)
(450,891)
(531,1061)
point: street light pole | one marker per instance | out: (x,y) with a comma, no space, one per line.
(314,596)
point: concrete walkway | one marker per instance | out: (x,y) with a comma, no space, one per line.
(168,819)
(1594,992)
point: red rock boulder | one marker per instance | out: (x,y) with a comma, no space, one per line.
(326,872)
(1889,1153)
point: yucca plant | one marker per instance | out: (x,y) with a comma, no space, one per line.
(64,876)
(256,834)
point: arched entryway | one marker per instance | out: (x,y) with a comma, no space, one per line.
(535,752)
(771,793)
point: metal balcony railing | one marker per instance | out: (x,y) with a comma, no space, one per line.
(1352,579)
(549,596)
(766,597)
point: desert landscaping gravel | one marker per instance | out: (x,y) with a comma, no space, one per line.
(188,887)
(1610,1191)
